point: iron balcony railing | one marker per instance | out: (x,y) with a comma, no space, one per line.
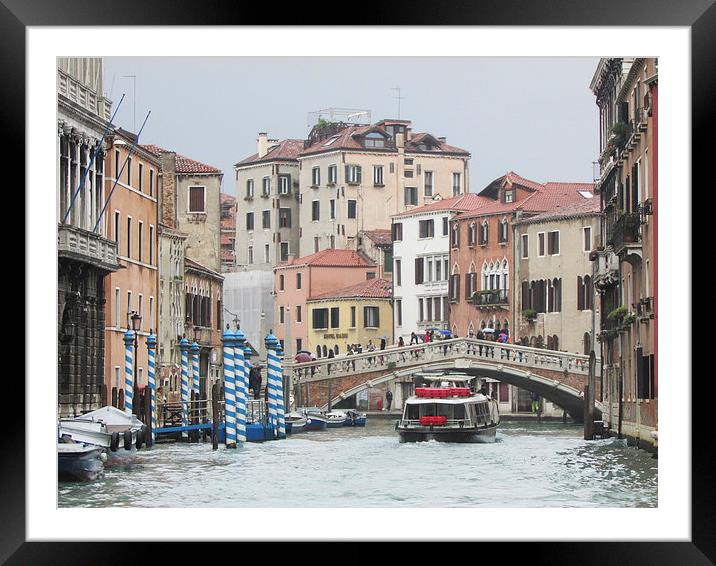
(625,230)
(493,297)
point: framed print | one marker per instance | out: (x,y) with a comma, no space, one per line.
(405,278)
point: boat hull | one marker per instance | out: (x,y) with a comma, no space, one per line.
(85,465)
(312,423)
(482,435)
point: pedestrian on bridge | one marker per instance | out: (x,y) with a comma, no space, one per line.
(388,398)
(535,402)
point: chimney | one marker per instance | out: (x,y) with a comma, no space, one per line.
(399,140)
(408,133)
(290,259)
(168,192)
(262,144)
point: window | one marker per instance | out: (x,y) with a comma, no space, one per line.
(141,175)
(284,184)
(315,176)
(438,274)
(585,293)
(267,254)
(298,314)
(419,270)
(151,245)
(316,244)
(455,236)
(503,226)
(332,213)
(116,308)
(397,230)
(484,233)
(281,282)
(335,317)
(140,228)
(116,228)
(332,174)
(426,228)
(266,186)
(284,251)
(353,174)
(398,273)
(398,312)
(129,236)
(410,196)
(371,317)
(378,175)
(249,188)
(472,235)
(320,319)
(250,255)
(315,210)
(151,313)
(281,315)
(553,243)
(456,184)
(587,238)
(525,246)
(428,186)
(540,240)
(454,287)
(249,221)
(129,171)
(196,199)
(298,280)
(284,217)
(352,209)
(509,196)
(151,182)
(116,164)
(374,139)
(266,219)
(370,275)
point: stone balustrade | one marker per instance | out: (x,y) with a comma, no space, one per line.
(470,349)
(86,246)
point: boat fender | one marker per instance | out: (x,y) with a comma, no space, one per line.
(141,437)
(127,439)
(114,442)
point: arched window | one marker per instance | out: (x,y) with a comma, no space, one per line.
(455,236)
(555,342)
(470,331)
(318,351)
(484,233)
(588,293)
(325,351)
(587,339)
(503,231)
(506,327)
(471,234)
(540,341)
(550,344)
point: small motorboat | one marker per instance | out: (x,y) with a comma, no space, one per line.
(335,419)
(315,418)
(295,422)
(107,427)
(78,461)
(355,418)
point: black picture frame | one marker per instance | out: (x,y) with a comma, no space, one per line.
(698,15)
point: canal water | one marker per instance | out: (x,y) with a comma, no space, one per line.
(530,465)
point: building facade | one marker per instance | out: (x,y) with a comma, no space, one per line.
(421,263)
(85,255)
(300,279)
(556,305)
(626,91)
(357,314)
(354,178)
(228,233)
(132,216)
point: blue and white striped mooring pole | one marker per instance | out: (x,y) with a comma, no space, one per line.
(241,391)
(151,351)
(280,408)
(195,363)
(247,373)
(227,338)
(184,347)
(128,371)
(273,382)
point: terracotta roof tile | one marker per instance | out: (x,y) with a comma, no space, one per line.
(285,150)
(380,237)
(369,289)
(183,164)
(331,257)
(465,202)
(585,207)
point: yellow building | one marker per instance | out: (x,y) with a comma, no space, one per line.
(358,314)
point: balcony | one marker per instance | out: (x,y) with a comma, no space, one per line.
(624,234)
(607,272)
(85,246)
(491,298)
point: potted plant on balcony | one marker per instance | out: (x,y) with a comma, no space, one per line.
(617,314)
(619,131)
(607,335)
(530,315)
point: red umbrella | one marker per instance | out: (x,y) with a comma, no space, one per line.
(303,357)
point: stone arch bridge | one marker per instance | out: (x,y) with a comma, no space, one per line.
(557,376)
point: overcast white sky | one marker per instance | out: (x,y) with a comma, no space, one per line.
(535,116)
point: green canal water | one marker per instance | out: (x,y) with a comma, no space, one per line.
(530,465)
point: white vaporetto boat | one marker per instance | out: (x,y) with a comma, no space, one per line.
(448,410)
(107,427)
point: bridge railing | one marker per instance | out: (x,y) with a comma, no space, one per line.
(394,358)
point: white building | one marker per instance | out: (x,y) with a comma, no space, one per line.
(421,257)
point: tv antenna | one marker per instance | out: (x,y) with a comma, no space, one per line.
(398,98)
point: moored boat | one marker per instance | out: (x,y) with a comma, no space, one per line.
(336,419)
(315,419)
(355,418)
(448,410)
(77,461)
(295,422)
(107,427)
